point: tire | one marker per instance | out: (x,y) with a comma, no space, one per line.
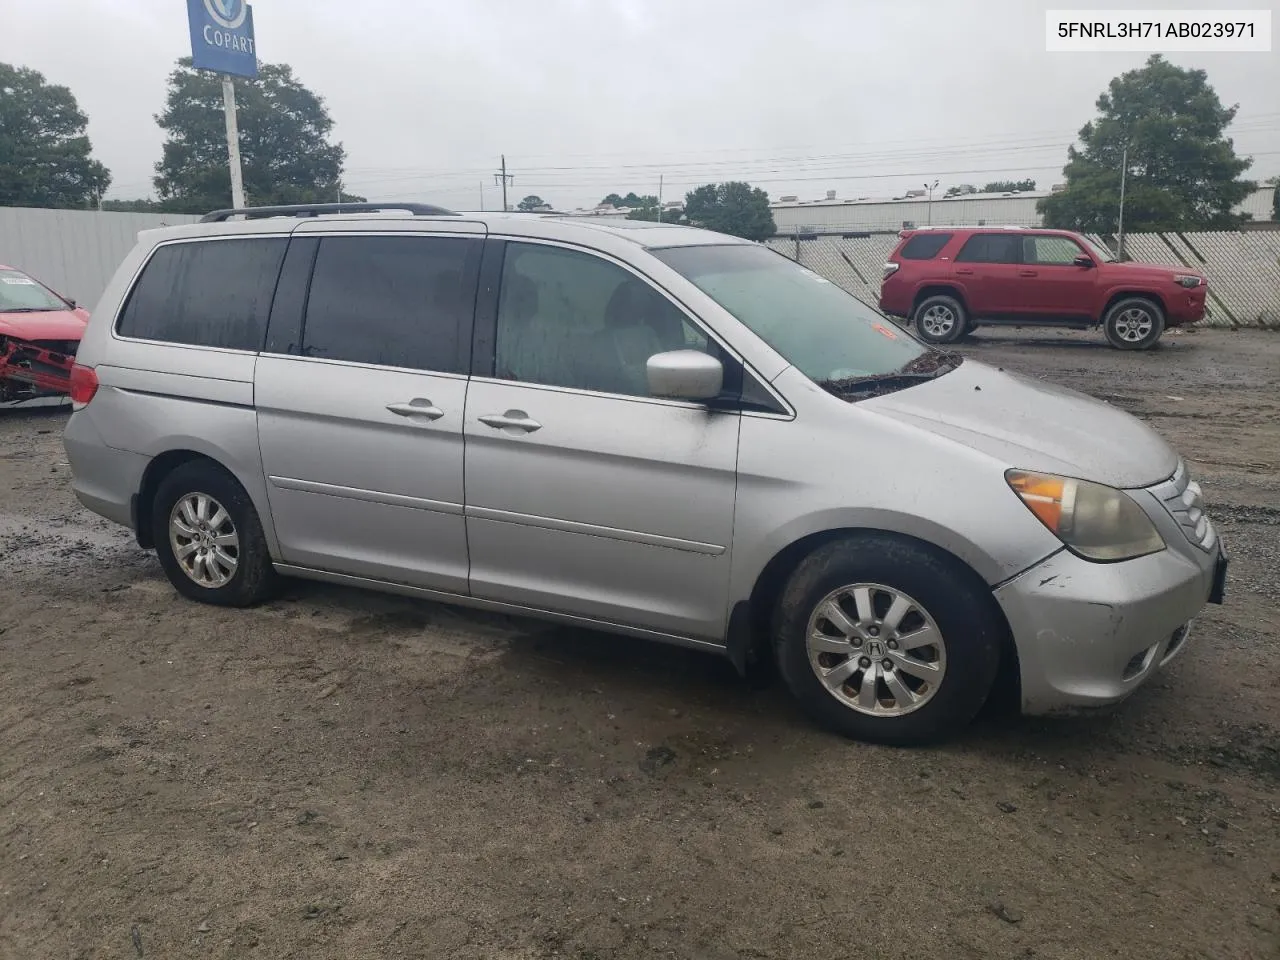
(940,319)
(235,572)
(940,595)
(1134,323)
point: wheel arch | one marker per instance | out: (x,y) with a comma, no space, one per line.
(750,640)
(162,465)
(938,290)
(1132,294)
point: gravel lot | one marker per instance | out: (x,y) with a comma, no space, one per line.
(345,775)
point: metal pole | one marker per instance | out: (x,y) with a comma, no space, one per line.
(1124,175)
(481,196)
(505,208)
(233,142)
(659,198)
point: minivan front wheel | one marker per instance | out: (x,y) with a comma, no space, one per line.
(881,638)
(940,319)
(209,539)
(1135,323)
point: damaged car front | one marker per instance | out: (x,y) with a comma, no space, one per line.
(39,335)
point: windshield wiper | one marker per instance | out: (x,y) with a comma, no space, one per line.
(929,366)
(29,310)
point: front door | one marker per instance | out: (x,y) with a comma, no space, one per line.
(1055,287)
(586,496)
(360,411)
(987,270)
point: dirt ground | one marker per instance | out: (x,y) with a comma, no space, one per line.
(351,776)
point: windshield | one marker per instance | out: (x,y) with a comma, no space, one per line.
(1100,252)
(20,294)
(831,337)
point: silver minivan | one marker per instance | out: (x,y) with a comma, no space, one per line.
(647,429)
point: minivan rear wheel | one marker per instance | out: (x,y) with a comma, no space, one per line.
(1134,323)
(940,319)
(882,638)
(209,539)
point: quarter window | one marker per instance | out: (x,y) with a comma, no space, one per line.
(990,248)
(924,246)
(393,301)
(570,319)
(212,293)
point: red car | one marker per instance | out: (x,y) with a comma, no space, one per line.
(953,279)
(39,334)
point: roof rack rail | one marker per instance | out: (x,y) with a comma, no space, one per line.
(321,209)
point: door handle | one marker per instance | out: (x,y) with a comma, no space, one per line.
(965,273)
(1028,273)
(417,407)
(516,421)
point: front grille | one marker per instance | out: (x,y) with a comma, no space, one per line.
(67,348)
(1184,500)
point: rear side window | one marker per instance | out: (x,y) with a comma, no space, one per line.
(212,293)
(924,246)
(990,248)
(393,301)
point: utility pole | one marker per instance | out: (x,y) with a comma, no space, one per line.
(504,178)
(929,205)
(1124,175)
(659,198)
(482,196)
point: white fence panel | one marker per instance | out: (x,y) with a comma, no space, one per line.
(74,251)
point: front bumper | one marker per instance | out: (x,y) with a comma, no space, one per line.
(1089,634)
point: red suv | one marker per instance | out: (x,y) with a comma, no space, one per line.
(951,280)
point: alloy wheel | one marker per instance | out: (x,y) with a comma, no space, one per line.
(876,649)
(204,540)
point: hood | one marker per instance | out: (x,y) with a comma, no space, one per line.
(1138,270)
(1033,425)
(53,325)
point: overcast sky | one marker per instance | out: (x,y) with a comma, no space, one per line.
(585,97)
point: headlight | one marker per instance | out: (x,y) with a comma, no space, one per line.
(1095,521)
(1186,280)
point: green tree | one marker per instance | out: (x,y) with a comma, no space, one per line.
(1183,173)
(1009,186)
(285,152)
(734,207)
(133,206)
(530,202)
(44,153)
(1274,183)
(630,200)
(960,190)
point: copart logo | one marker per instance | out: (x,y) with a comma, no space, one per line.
(227,13)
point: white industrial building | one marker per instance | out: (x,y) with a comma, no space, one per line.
(863,215)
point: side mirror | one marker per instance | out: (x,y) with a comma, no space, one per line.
(1084,260)
(685,375)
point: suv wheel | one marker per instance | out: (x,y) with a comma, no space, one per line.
(1135,323)
(880,638)
(940,319)
(209,539)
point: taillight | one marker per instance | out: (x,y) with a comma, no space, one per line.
(84,384)
(890,269)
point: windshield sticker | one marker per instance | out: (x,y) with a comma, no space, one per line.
(19,282)
(885,331)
